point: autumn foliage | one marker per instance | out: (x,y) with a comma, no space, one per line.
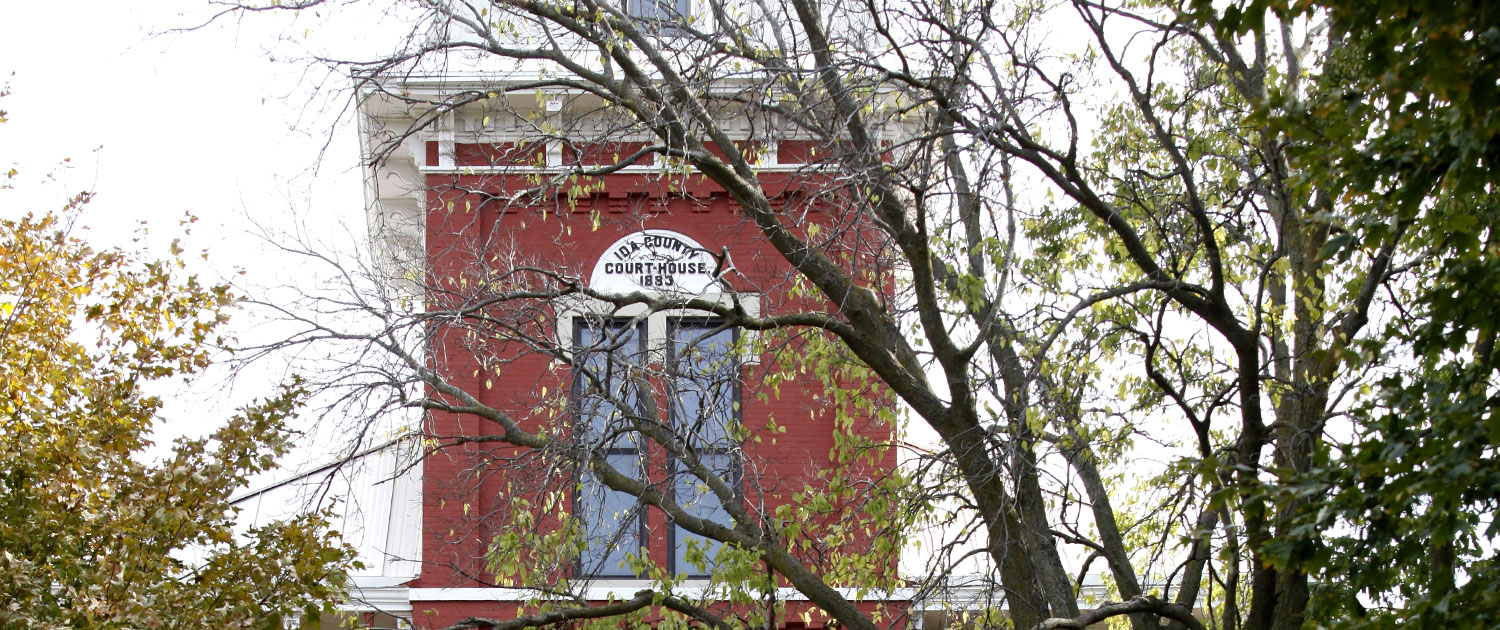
(92,534)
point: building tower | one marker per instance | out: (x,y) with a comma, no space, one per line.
(612,403)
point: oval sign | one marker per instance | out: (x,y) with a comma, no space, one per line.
(660,261)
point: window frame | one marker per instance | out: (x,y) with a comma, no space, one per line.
(732,448)
(580,324)
(683,9)
(573,312)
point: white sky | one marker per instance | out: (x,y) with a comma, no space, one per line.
(200,121)
(160,124)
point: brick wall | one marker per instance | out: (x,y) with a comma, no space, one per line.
(470,489)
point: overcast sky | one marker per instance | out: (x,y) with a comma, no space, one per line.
(159,124)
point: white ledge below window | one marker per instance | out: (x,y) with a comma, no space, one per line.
(607,590)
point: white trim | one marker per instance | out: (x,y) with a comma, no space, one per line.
(554,164)
(379,594)
(656,323)
(552,102)
(625,589)
(446,139)
(655,248)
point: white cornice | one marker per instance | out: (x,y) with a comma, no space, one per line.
(382,594)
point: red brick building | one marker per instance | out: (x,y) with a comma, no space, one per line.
(522,274)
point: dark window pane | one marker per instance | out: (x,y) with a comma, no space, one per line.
(706,413)
(705,384)
(611,522)
(666,10)
(697,500)
(609,360)
(609,356)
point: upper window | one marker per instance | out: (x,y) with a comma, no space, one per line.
(703,386)
(610,359)
(706,413)
(659,10)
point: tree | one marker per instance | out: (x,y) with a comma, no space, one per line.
(1408,130)
(1059,256)
(92,534)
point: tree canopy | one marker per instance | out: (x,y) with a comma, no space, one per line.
(1199,296)
(93,532)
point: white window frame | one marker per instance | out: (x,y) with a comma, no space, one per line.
(657,322)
